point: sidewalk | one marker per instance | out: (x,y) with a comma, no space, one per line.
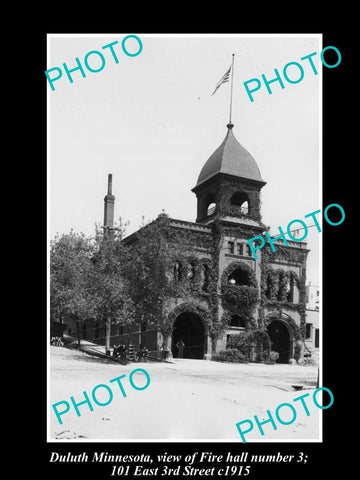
(85,346)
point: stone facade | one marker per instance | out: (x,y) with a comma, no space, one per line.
(224,290)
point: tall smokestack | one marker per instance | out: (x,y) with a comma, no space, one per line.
(109,201)
(109,184)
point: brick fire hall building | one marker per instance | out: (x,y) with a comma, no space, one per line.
(228,291)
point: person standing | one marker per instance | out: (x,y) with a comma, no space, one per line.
(180,346)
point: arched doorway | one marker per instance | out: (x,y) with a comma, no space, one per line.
(189,327)
(281,341)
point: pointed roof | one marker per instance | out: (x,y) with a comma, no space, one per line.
(231,158)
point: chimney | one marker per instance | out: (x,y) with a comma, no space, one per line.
(109,201)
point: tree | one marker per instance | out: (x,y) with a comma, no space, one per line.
(111,300)
(70,272)
(87,280)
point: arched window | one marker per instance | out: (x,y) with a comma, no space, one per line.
(239,277)
(287,287)
(177,271)
(238,274)
(240,200)
(205,275)
(211,209)
(292,288)
(237,321)
(269,288)
(283,285)
(245,208)
(210,204)
(191,271)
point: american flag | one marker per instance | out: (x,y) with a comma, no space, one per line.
(223,79)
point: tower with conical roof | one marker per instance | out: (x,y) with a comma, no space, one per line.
(229,185)
(218,289)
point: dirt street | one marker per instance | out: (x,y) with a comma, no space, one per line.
(185,400)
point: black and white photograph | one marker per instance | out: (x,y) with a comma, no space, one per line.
(185,221)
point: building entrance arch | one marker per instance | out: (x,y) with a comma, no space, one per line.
(188,327)
(281,340)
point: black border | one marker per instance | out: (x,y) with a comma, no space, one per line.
(338,169)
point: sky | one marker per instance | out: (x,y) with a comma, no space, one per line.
(151,121)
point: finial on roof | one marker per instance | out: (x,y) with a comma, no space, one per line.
(163,214)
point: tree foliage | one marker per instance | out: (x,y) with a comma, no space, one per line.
(110,288)
(70,277)
(147,267)
(152,255)
(87,279)
(254,344)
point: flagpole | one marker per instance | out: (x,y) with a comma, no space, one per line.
(231,89)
